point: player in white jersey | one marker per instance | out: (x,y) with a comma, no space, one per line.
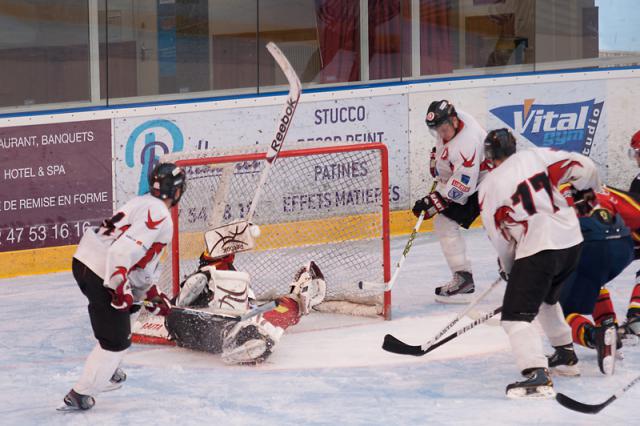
(538,240)
(457,164)
(116,265)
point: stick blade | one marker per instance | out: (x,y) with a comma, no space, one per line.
(392,344)
(581,407)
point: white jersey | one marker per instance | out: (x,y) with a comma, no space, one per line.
(132,239)
(521,207)
(459,162)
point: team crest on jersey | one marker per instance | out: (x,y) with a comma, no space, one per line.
(465,179)
(570,127)
(454,194)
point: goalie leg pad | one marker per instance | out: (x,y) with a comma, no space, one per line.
(250,342)
(193,288)
(230,290)
(197,332)
(309,287)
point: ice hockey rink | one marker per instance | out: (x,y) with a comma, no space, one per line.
(329,369)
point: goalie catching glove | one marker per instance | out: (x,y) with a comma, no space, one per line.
(432,204)
(308,288)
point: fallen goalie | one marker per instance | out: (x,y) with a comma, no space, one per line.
(216,286)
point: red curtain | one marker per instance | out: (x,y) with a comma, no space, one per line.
(436,56)
(339,36)
(385,39)
(389,39)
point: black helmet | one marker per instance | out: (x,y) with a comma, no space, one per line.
(440,112)
(165,180)
(499,144)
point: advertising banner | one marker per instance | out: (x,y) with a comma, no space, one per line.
(142,141)
(56,181)
(570,116)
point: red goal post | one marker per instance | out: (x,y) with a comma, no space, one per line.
(325,203)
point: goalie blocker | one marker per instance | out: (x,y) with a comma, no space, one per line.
(244,342)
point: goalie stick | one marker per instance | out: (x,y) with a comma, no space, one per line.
(371,285)
(282,126)
(392,344)
(214,237)
(220,314)
(574,405)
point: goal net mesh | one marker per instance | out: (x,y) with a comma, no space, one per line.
(323,204)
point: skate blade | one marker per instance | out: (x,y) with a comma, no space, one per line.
(609,361)
(247,353)
(566,370)
(112,386)
(539,392)
(608,365)
(68,409)
(456,299)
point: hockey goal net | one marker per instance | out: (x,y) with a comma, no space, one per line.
(328,204)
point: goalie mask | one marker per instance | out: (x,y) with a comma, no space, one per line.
(167,182)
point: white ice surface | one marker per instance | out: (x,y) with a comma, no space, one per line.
(326,370)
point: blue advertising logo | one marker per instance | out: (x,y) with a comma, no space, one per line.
(571,127)
(148,158)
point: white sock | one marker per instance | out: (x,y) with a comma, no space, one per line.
(98,369)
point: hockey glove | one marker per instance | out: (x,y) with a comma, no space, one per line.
(120,289)
(161,303)
(583,201)
(432,204)
(503,274)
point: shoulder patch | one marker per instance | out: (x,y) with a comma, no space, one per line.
(454,194)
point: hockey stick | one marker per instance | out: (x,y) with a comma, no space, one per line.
(370,285)
(282,126)
(473,303)
(574,405)
(222,315)
(392,344)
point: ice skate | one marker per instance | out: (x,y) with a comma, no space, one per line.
(626,335)
(606,336)
(117,380)
(632,326)
(538,384)
(564,361)
(74,401)
(459,290)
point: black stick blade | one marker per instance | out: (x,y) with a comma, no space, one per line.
(574,405)
(392,344)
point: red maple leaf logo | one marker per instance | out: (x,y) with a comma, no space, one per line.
(120,270)
(468,162)
(503,219)
(153,224)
